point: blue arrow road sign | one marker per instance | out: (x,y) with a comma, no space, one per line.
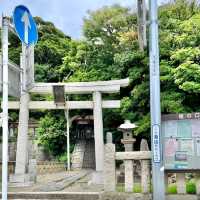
(25,25)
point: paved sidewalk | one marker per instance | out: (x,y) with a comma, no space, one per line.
(84,185)
(53,182)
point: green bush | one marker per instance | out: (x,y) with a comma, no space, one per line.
(172,189)
(120,187)
(137,188)
(191,187)
(51,134)
(62,158)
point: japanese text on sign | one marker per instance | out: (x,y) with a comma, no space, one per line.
(156,144)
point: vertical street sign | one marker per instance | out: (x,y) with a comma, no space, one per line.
(5,108)
(157,161)
(156,144)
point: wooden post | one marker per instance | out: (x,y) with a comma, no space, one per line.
(197,177)
(145,169)
(180,181)
(141,16)
(109,168)
(166,181)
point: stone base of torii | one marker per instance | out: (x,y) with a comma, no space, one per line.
(25,104)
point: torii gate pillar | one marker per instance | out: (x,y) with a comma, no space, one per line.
(141,18)
(98,135)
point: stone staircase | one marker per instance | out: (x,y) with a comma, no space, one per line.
(78,154)
(84,155)
(89,156)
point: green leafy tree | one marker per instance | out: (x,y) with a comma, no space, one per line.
(51,134)
(109,51)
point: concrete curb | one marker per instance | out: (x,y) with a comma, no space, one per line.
(54,195)
(92,196)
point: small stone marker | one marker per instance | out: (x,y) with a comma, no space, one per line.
(109,137)
(180,181)
(32,169)
(109,168)
(145,168)
(197,177)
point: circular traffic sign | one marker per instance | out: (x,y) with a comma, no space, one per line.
(25,25)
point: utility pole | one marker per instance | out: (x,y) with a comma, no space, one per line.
(141,18)
(5,23)
(156,144)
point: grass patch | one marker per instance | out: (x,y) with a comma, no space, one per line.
(172,189)
(190,188)
(137,188)
(120,187)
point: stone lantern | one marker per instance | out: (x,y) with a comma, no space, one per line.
(128,165)
(128,139)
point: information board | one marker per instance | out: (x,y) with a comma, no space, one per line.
(181,138)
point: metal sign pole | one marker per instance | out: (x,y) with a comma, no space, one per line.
(21,158)
(5,108)
(68,139)
(157,160)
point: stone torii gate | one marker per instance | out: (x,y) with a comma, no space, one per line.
(97,104)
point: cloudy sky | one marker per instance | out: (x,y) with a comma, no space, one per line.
(67,15)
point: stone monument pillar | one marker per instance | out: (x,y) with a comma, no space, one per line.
(109,165)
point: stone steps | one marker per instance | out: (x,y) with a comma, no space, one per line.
(78,154)
(60,185)
(53,195)
(89,156)
(83,155)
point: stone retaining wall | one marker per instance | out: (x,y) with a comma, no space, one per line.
(11,151)
(11,167)
(42,167)
(49,167)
